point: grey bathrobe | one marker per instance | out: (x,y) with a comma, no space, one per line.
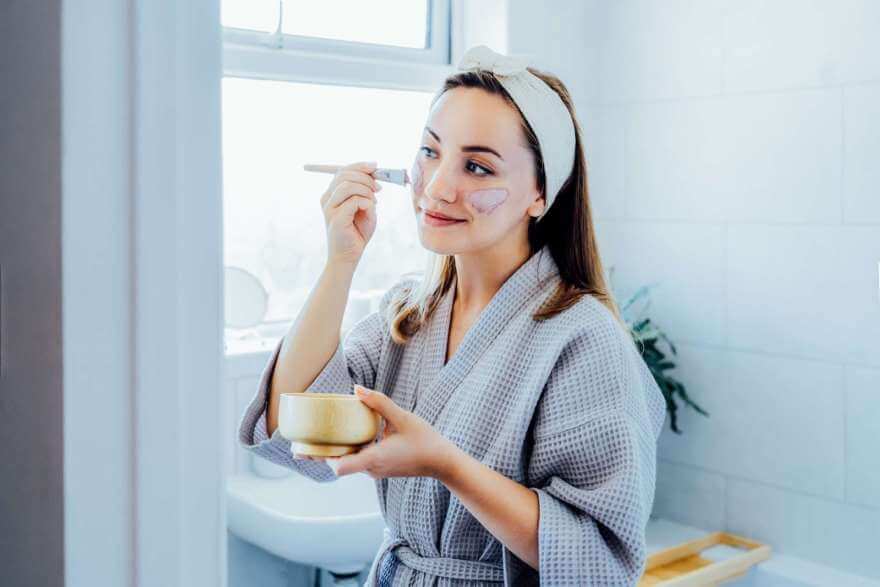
(565,406)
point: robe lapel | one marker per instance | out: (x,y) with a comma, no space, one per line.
(434,343)
(438,381)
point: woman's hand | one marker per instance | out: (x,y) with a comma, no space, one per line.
(349,206)
(410,447)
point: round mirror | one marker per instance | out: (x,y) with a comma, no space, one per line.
(246,300)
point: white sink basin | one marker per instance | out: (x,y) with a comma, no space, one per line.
(336,526)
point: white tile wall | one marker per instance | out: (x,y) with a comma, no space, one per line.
(674,161)
(809,291)
(826,531)
(763,411)
(861,172)
(562,40)
(689,495)
(652,50)
(793,43)
(731,158)
(687,262)
(863,436)
(602,134)
(734,153)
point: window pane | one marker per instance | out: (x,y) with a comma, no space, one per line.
(401,23)
(273,223)
(256,15)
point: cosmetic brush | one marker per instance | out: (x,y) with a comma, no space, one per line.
(398,176)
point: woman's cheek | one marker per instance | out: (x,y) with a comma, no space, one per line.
(487,201)
(417,176)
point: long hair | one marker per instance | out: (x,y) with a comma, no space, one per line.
(567,229)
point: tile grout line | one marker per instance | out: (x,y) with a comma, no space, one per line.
(684,98)
(725,286)
(756,223)
(775,355)
(727,477)
(624,123)
(725,482)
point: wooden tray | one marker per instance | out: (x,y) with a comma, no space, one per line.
(682,565)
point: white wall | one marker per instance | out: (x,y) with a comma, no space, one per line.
(97,133)
(733,156)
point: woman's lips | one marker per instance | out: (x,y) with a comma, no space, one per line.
(433,220)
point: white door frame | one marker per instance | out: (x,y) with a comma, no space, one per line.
(142,195)
(178,260)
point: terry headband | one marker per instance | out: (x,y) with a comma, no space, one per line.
(540,105)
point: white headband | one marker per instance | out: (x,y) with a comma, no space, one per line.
(542,108)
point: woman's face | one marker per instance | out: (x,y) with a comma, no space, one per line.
(473,165)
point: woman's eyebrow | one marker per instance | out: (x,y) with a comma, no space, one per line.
(468,148)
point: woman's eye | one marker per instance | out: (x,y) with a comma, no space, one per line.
(478,166)
(471,165)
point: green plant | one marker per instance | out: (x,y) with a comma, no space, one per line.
(647,336)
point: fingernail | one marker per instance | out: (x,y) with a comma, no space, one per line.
(361,390)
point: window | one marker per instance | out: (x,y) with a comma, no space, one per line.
(291,99)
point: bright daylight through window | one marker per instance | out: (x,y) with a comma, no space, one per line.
(274,236)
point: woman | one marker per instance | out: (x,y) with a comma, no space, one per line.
(520,420)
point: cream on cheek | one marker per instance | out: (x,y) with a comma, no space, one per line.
(486,201)
(417,176)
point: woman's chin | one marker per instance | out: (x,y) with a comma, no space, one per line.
(438,243)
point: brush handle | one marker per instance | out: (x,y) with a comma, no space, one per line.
(397,176)
(322,168)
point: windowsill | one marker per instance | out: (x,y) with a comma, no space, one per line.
(247,358)
(248,351)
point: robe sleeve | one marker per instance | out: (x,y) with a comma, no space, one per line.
(593,462)
(355,361)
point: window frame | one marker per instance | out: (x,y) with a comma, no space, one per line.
(283,57)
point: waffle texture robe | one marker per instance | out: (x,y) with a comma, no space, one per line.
(565,406)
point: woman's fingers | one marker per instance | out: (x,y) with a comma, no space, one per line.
(344,191)
(354,173)
(348,231)
(366,226)
(351,176)
(345,212)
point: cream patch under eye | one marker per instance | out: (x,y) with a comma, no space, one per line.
(485,201)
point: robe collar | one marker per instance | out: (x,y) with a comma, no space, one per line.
(436,380)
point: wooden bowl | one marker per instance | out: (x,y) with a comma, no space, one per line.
(326,424)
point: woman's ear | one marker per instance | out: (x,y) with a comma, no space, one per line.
(537,206)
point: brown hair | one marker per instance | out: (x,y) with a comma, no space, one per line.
(567,229)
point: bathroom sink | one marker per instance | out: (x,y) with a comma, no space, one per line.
(336,526)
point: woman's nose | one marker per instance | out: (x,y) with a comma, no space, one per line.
(440,184)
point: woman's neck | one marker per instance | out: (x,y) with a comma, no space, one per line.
(480,274)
